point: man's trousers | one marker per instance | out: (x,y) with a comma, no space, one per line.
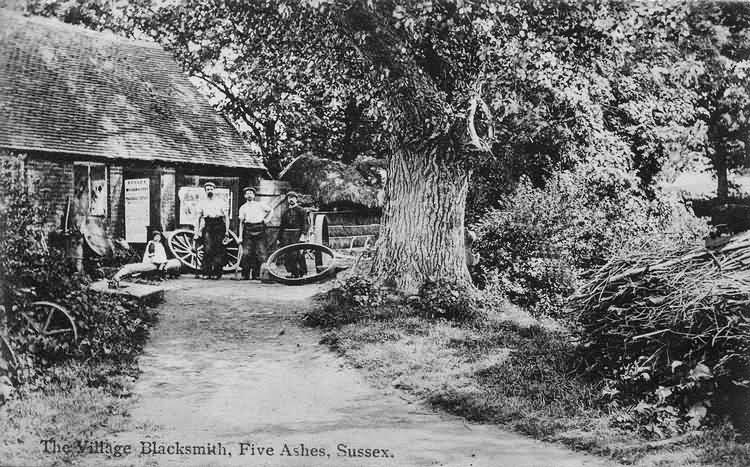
(295,262)
(253,249)
(214,252)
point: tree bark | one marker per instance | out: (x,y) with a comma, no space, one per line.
(422,229)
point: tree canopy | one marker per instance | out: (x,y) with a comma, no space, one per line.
(627,92)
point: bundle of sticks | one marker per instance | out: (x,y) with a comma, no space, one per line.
(659,306)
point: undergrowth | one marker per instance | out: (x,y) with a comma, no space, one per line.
(520,375)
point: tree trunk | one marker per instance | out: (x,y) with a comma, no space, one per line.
(422,229)
(722,186)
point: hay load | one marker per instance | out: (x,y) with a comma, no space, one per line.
(333,183)
(673,326)
(349,196)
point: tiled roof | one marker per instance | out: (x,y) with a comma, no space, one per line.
(65,89)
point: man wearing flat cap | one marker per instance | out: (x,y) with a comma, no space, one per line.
(212,227)
(253,216)
(294,223)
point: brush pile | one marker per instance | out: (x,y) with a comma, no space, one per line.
(671,326)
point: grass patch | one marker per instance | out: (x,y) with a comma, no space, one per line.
(518,376)
(69,408)
(83,395)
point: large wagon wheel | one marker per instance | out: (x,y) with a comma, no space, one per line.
(183,246)
(321,262)
(48,319)
(320,229)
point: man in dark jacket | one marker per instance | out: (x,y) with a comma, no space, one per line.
(294,224)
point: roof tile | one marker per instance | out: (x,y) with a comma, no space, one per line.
(70,90)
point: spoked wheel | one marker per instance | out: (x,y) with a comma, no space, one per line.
(233,253)
(183,246)
(189,252)
(315,261)
(48,319)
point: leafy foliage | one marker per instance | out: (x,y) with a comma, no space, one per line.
(358,298)
(540,244)
(453,301)
(354,299)
(644,89)
(279,70)
(111,329)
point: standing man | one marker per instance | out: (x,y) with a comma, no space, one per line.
(252,234)
(293,224)
(213,226)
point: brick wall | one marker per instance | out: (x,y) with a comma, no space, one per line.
(53,181)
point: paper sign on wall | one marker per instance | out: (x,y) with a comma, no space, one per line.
(137,209)
(98,198)
(190,197)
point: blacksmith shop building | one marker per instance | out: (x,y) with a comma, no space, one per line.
(112,127)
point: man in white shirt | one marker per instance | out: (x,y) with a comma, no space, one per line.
(212,227)
(253,216)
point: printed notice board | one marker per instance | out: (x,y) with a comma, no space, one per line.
(190,197)
(137,209)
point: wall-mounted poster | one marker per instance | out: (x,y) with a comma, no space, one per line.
(98,206)
(137,209)
(190,196)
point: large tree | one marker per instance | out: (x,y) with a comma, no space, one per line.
(563,83)
(417,65)
(718,38)
(431,74)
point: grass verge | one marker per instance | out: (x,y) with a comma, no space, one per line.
(67,409)
(517,376)
(78,399)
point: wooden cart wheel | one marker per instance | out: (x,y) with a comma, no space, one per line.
(320,229)
(320,260)
(233,253)
(183,246)
(49,319)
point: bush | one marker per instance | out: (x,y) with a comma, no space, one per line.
(539,245)
(111,329)
(349,301)
(447,300)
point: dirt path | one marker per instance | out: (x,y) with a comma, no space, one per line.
(228,364)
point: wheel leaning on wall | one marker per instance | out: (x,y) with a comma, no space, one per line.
(183,246)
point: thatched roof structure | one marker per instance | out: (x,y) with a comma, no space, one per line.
(331,182)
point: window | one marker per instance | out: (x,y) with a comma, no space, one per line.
(90,182)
